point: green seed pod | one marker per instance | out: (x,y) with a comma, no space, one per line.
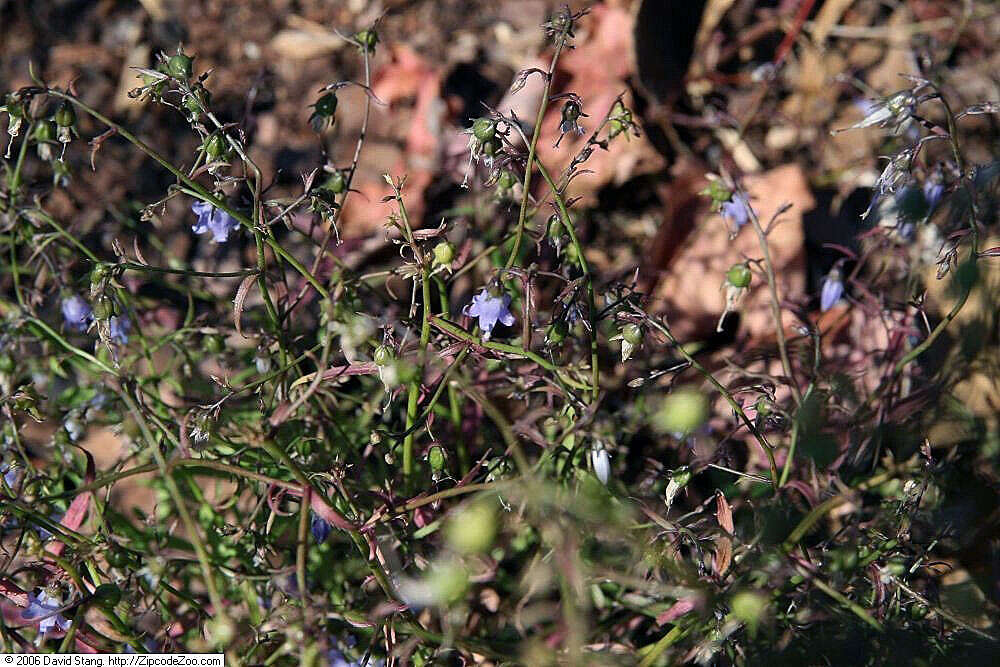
(65,115)
(326,105)
(107,595)
(739,275)
(215,146)
(367,39)
(444,253)
(436,458)
(180,66)
(484,129)
(632,333)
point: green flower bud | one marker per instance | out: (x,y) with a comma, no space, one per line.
(739,275)
(484,129)
(436,458)
(213,343)
(336,183)
(98,275)
(180,66)
(444,253)
(326,105)
(556,333)
(507,180)
(384,355)
(555,228)
(104,308)
(762,406)
(107,595)
(472,528)
(196,101)
(632,333)
(215,146)
(45,131)
(65,115)
(367,39)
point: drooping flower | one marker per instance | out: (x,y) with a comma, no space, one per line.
(602,464)
(216,221)
(833,289)
(320,528)
(10,474)
(118,327)
(894,110)
(77,312)
(45,607)
(736,211)
(933,192)
(490,310)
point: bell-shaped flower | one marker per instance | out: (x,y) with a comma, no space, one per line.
(490,310)
(214,220)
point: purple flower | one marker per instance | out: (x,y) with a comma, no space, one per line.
(77,313)
(933,191)
(320,528)
(10,474)
(44,607)
(119,328)
(211,219)
(833,289)
(736,210)
(490,310)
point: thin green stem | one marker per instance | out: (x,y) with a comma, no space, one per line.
(193,187)
(733,403)
(528,167)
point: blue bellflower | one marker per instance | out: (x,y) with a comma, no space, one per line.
(119,328)
(736,211)
(833,289)
(77,313)
(211,219)
(43,606)
(320,528)
(10,474)
(933,191)
(490,310)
